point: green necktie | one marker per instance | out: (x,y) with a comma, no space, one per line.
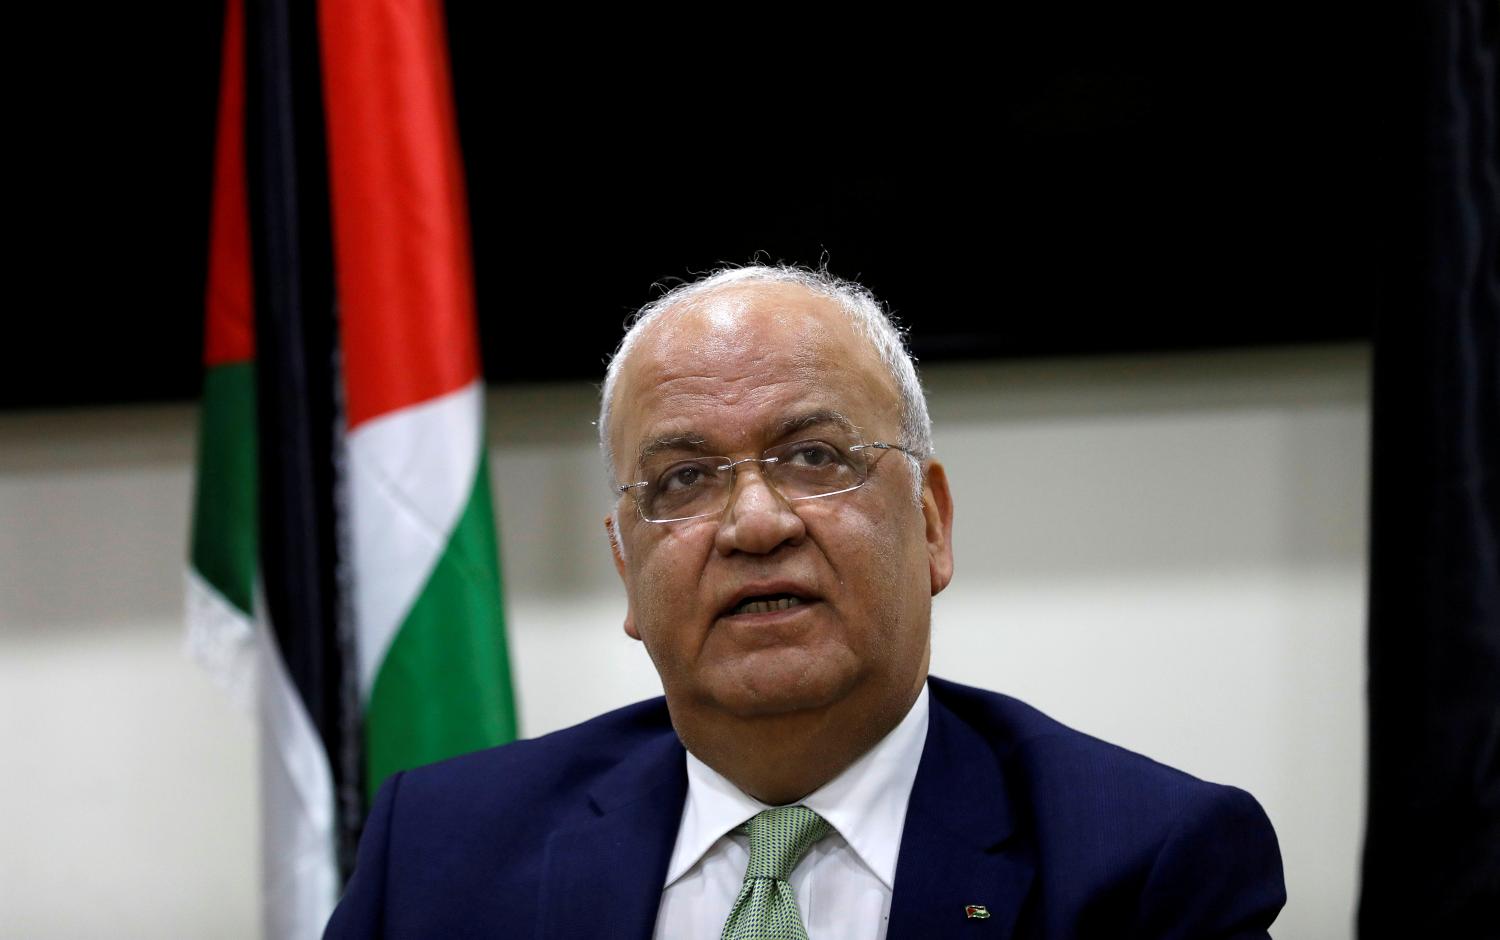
(766,908)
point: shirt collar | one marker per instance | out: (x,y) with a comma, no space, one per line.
(866,804)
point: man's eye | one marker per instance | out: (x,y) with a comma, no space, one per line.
(683,477)
(813,454)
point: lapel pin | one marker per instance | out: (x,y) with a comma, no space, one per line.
(976,912)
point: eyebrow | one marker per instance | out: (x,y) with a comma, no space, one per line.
(814,418)
(697,443)
(690,440)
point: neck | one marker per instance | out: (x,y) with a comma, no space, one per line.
(780,759)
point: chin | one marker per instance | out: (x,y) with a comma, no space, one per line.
(761,692)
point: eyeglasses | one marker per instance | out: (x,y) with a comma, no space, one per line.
(675,490)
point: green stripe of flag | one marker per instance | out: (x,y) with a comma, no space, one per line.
(224,523)
(444,686)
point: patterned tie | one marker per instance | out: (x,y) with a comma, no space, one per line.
(766,908)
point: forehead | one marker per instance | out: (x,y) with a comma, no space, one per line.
(735,364)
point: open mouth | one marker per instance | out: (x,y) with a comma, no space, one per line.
(765,604)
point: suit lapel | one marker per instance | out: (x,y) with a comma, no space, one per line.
(959,846)
(603,878)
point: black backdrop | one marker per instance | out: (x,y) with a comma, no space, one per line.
(1021,184)
(1431,864)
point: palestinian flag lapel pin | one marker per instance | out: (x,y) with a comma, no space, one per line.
(976,912)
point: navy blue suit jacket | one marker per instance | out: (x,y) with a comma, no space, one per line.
(1059,835)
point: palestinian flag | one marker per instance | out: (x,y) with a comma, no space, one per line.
(344,573)
(432,661)
(229,628)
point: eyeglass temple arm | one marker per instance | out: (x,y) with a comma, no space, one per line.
(881,445)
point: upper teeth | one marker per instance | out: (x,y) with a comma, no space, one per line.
(765,607)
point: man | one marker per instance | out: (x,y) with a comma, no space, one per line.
(781,528)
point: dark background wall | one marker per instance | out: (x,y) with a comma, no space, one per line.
(1015,185)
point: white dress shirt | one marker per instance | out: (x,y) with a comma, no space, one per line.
(843,884)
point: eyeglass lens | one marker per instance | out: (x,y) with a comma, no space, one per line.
(678,489)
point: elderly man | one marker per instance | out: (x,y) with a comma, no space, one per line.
(781,528)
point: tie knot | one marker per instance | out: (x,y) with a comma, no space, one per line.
(780,837)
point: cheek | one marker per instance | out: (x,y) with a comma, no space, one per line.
(889,568)
(880,535)
(879,566)
(664,585)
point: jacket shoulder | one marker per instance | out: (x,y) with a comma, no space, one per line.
(441,838)
(542,770)
(1124,838)
(1050,754)
(573,754)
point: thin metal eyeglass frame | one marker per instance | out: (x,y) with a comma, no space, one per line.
(731,464)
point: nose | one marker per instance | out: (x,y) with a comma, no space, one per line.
(758,519)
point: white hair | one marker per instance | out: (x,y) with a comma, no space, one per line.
(868,316)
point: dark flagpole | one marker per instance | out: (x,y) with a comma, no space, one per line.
(299,414)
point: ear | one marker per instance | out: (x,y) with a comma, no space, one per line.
(618,552)
(937,510)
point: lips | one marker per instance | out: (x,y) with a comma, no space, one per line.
(767,598)
(757,605)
